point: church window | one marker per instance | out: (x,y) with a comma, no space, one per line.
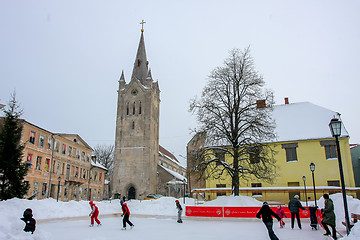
(140,107)
(133,125)
(127,108)
(138,62)
(134,108)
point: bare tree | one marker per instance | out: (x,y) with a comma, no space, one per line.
(105,155)
(236,123)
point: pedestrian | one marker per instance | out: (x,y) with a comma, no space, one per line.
(94,214)
(29,220)
(126,216)
(179,208)
(294,206)
(328,216)
(266,214)
(280,212)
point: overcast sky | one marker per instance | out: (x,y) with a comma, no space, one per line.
(64,58)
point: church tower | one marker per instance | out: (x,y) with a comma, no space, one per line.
(137,131)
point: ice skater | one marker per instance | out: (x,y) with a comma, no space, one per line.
(94,214)
(126,216)
(280,212)
(179,208)
(266,214)
(29,220)
(294,206)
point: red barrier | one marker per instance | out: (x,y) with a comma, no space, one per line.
(239,212)
(204,211)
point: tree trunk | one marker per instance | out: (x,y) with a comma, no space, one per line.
(235,178)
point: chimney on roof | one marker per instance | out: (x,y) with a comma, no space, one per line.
(260,104)
(286,100)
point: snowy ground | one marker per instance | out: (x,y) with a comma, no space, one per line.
(153,219)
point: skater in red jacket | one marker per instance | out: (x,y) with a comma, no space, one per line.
(126,215)
(280,212)
(94,214)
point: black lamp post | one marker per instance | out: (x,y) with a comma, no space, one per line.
(304,179)
(335,128)
(312,168)
(57,198)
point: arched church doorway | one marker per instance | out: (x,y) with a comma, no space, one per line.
(131,193)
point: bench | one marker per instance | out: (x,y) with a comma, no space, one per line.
(355,217)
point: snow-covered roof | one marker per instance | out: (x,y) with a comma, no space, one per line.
(175,174)
(302,121)
(168,155)
(93,164)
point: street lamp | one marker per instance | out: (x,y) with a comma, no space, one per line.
(335,128)
(304,179)
(312,168)
(57,198)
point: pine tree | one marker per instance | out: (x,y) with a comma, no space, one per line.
(12,169)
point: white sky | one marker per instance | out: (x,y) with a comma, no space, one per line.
(64,58)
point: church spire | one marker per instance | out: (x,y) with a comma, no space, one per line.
(140,70)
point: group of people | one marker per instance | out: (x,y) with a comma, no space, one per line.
(267,214)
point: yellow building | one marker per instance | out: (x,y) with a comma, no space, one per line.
(60,166)
(303,137)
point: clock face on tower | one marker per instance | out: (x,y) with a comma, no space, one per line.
(134,92)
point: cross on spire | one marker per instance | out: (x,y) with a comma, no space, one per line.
(142,25)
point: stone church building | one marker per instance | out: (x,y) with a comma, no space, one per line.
(138,162)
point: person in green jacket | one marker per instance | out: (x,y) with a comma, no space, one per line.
(328,216)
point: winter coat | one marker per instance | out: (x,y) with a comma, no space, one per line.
(125,209)
(328,213)
(265,213)
(280,212)
(94,210)
(294,205)
(29,220)
(178,206)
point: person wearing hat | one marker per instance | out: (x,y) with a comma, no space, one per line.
(266,214)
(294,206)
(126,216)
(328,216)
(29,220)
(94,214)
(179,208)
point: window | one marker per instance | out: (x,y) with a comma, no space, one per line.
(127,109)
(49,143)
(95,178)
(256,193)
(63,149)
(330,152)
(76,172)
(84,174)
(77,153)
(334,183)
(66,192)
(56,147)
(133,125)
(220,155)
(70,148)
(99,193)
(29,160)
(140,107)
(254,155)
(134,108)
(100,176)
(32,137)
(47,164)
(38,163)
(83,156)
(41,141)
(220,193)
(58,166)
(43,192)
(290,149)
(87,157)
(36,188)
(330,149)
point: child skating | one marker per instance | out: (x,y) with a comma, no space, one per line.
(126,215)
(179,208)
(280,212)
(94,214)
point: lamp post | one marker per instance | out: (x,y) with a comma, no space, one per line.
(304,179)
(335,128)
(312,168)
(57,198)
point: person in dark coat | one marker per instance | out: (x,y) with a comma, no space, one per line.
(294,206)
(266,214)
(328,216)
(29,220)
(179,208)
(126,216)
